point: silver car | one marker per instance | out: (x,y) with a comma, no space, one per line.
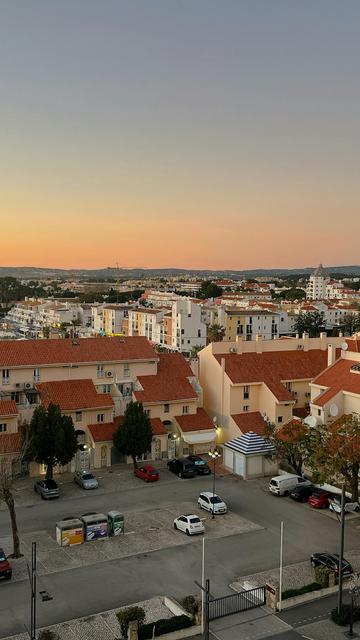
(48,489)
(86,480)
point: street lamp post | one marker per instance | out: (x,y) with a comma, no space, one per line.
(214,455)
(354,593)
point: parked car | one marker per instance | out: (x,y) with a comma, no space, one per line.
(86,480)
(201,468)
(211,502)
(319,499)
(302,492)
(190,524)
(47,489)
(147,473)
(349,505)
(182,467)
(331,560)
(5,566)
(282,485)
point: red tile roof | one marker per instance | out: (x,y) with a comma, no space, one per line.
(8,408)
(274,367)
(301,412)
(73,395)
(103,432)
(250,421)
(16,353)
(337,377)
(10,442)
(353,344)
(171,382)
(195,421)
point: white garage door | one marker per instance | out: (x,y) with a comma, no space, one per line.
(239,464)
(228,458)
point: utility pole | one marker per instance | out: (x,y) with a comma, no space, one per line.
(33,592)
(206,621)
(341,554)
(281,563)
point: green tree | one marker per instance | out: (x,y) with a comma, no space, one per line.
(291,443)
(195,350)
(52,438)
(295,293)
(312,323)
(6,495)
(133,437)
(335,453)
(215,333)
(351,324)
(209,289)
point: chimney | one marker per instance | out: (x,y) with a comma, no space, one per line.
(305,339)
(258,343)
(331,355)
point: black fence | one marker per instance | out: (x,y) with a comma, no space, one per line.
(242,601)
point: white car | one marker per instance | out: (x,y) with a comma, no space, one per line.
(349,506)
(211,502)
(190,524)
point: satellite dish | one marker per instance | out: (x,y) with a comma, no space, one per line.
(334,410)
(310,421)
(344,346)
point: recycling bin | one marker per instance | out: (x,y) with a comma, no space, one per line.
(69,532)
(116,523)
(96,526)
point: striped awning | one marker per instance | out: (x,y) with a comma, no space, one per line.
(249,444)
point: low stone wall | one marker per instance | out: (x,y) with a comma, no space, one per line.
(307,597)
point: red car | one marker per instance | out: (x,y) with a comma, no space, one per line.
(319,499)
(147,473)
(5,566)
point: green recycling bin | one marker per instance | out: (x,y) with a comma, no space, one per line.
(116,523)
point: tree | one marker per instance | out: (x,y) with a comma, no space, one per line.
(295,293)
(215,333)
(6,495)
(195,350)
(52,438)
(291,443)
(133,437)
(312,323)
(335,453)
(209,289)
(351,324)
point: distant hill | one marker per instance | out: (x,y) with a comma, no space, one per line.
(36,273)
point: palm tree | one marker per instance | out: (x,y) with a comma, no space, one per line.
(215,333)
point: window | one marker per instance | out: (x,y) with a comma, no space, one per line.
(185,408)
(166,408)
(100,370)
(36,374)
(147,412)
(100,417)
(126,370)
(106,388)
(182,331)
(245,408)
(15,395)
(3,428)
(78,416)
(5,376)
(280,418)
(199,333)
(319,412)
(246,392)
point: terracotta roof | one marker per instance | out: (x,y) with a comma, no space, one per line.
(250,421)
(16,353)
(195,421)
(8,408)
(73,395)
(103,432)
(10,442)
(301,412)
(337,377)
(353,344)
(170,383)
(273,367)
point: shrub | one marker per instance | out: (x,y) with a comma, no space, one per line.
(165,625)
(47,634)
(344,617)
(307,588)
(127,615)
(322,574)
(191,604)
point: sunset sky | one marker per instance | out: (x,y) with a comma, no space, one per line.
(186,133)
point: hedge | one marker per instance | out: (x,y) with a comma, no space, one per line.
(165,625)
(344,617)
(307,588)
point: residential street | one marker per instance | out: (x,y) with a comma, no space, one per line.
(97,587)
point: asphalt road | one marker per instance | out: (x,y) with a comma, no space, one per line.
(84,591)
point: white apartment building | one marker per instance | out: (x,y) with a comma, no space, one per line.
(188,328)
(316,288)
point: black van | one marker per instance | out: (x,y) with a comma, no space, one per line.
(182,467)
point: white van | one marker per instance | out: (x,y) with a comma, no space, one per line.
(282,485)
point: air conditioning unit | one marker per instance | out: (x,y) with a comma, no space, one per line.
(109,374)
(232,350)
(307,394)
(27,385)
